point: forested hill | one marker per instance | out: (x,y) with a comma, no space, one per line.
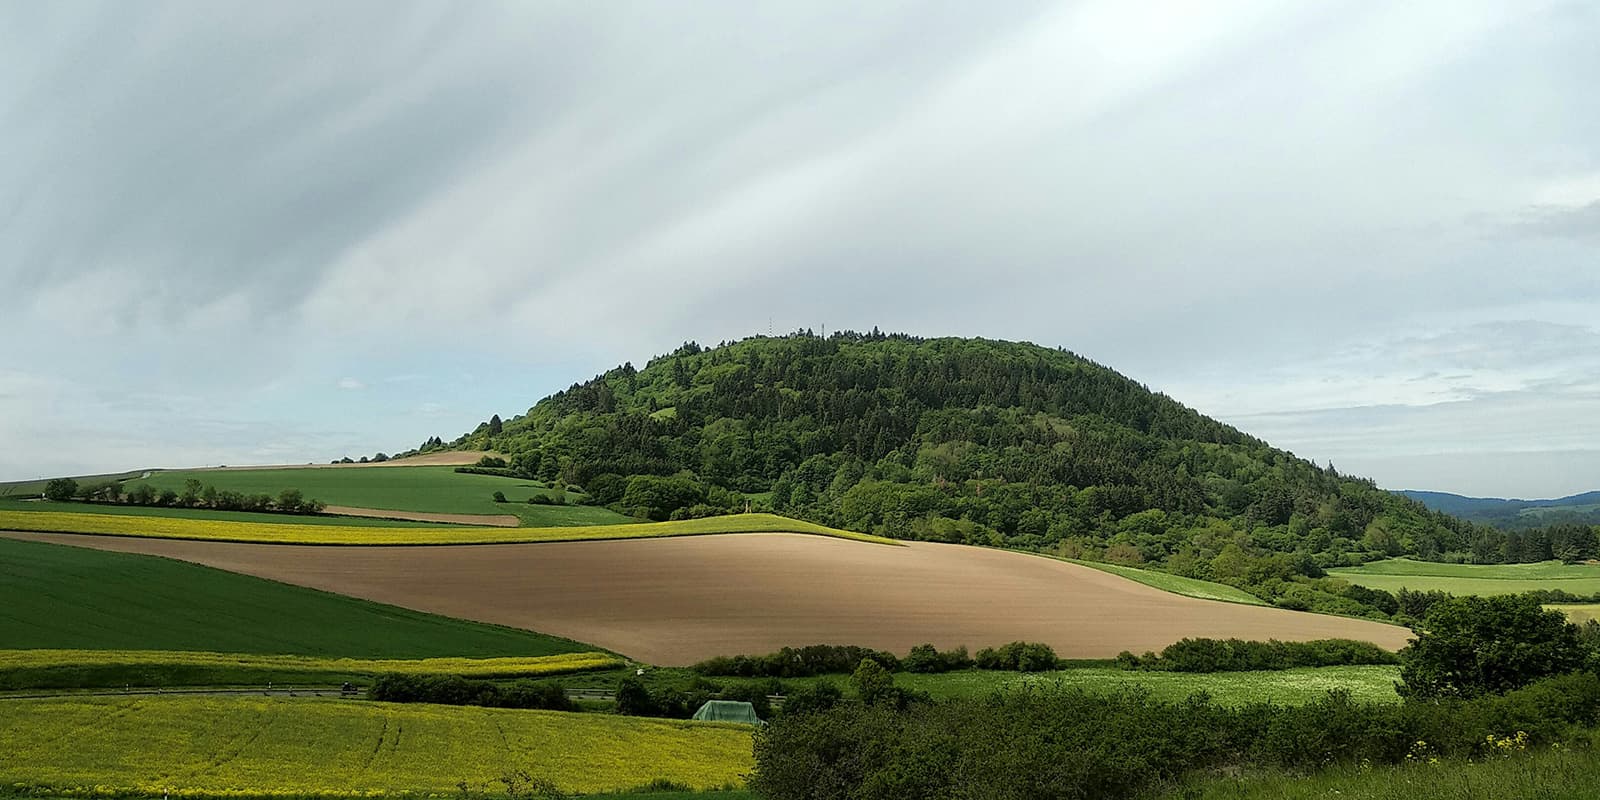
(963,440)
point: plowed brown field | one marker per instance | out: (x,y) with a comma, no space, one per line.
(676,601)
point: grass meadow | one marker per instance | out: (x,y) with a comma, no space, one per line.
(70,598)
(205,514)
(1373,684)
(242,746)
(1177,584)
(297,533)
(1572,774)
(1473,579)
(433,489)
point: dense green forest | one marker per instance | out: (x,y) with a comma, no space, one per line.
(975,441)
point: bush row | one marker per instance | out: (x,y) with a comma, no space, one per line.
(636,699)
(797,662)
(1065,743)
(194,495)
(1237,655)
(454,690)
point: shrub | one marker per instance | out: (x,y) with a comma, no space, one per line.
(1470,646)
(793,662)
(458,691)
(1018,657)
(1235,655)
(926,658)
(61,489)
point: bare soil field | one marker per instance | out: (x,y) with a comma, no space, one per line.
(677,601)
(496,520)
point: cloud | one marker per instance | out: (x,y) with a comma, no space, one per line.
(351,384)
(1262,208)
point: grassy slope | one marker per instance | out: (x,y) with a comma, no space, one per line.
(436,489)
(291,533)
(1479,579)
(1177,584)
(59,597)
(342,747)
(207,514)
(1543,775)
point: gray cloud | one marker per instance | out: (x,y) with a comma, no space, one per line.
(1264,209)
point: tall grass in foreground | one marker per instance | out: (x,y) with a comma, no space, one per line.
(1552,774)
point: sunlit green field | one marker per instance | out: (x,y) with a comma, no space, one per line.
(1293,686)
(430,488)
(1177,584)
(191,746)
(1473,579)
(71,598)
(119,510)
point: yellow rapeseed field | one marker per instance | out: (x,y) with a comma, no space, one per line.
(469,667)
(226,747)
(291,533)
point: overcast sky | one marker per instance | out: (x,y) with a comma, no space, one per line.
(284,232)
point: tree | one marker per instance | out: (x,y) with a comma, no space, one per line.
(61,490)
(499,496)
(872,681)
(290,501)
(495,425)
(1469,646)
(191,493)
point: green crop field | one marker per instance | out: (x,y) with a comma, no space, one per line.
(58,597)
(1177,584)
(204,746)
(439,490)
(1473,579)
(1290,686)
(207,514)
(295,533)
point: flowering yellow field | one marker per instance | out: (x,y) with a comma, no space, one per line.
(469,667)
(212,747)
(291,533)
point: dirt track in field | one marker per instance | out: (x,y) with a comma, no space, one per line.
(496,520)
(679,600)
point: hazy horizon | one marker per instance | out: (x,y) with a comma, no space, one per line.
(240,234)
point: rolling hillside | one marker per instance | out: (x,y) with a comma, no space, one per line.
(969,441)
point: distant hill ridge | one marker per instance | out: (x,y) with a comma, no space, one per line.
(961,440)
(1581,508)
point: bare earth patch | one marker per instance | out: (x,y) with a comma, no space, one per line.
(677,601)
(496,520)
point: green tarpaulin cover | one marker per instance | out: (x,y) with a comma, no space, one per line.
(727,711)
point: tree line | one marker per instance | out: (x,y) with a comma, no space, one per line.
(194,495)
